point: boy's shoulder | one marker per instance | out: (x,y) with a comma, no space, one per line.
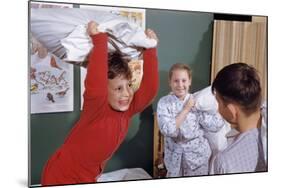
(241,143)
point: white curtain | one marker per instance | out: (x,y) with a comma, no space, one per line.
(235,41)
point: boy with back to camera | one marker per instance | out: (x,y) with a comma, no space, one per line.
(238,92)
(186,151)
(109,104)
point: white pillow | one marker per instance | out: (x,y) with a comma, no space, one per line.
(63,32)
(205,100)
(218,140)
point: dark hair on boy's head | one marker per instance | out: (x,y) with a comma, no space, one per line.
(118,66)
(180,66)
(239,83)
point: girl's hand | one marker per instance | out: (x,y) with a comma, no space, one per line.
(190,103)
(151,34)
(92,28)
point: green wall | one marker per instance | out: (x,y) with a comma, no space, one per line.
(184,37)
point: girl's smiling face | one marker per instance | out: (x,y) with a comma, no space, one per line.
(180,83)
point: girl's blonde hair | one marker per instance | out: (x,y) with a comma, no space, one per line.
(180,66)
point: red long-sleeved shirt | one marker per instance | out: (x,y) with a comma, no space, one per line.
(100,129)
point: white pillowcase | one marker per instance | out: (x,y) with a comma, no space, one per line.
(206,101)
(64,32)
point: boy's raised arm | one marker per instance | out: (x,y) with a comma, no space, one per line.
(96,78)
(150,81)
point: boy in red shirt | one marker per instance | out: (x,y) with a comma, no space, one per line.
(109,104)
